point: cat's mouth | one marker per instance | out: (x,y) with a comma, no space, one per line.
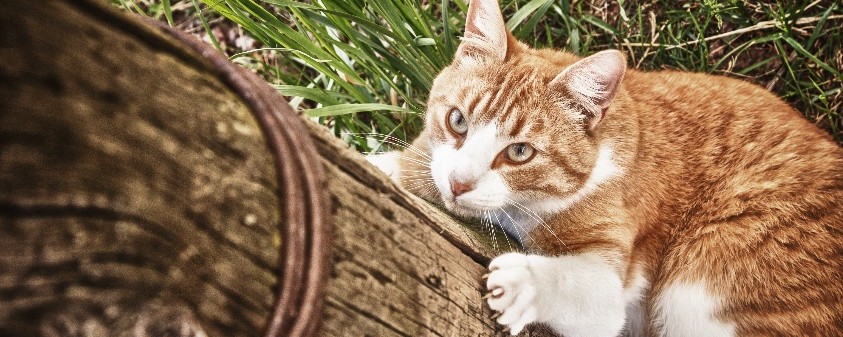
(471,207)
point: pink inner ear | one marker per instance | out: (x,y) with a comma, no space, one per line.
(471,19)
(485,31)
(614,68)
(594,82)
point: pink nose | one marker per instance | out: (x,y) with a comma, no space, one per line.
(460,187)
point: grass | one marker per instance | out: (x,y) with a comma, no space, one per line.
(360,66)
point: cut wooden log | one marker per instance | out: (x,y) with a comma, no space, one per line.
(149,187)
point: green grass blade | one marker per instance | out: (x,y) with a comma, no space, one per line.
(168,11)
(207,27)
(521,14)
(314,94)
(345,109)
(801,50)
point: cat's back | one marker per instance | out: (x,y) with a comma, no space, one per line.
(733,154)
(735,132)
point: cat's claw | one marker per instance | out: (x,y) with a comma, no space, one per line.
(513,291)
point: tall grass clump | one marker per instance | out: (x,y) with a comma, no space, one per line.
(365,66)
(359,66)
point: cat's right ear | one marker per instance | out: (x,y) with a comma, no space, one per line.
(593,82)
(485,37)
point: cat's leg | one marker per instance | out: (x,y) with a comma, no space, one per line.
(409,168)
(388,163)
(690,309)
(576,295)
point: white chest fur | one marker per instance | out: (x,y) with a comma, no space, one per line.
(635,299)
(688,309)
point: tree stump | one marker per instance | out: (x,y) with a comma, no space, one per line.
(149,187)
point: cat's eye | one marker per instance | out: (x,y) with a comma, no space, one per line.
(519,152)
(457,123)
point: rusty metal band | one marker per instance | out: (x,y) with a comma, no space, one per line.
(306,227)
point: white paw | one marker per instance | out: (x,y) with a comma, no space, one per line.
(512,291)
(388,163)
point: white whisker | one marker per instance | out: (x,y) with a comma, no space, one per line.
(418,175)
(389,139)
(419,185)
(413,178)
(515,223)
(416,171)
(535,217)
(414,160)
(488,227)
(505,235)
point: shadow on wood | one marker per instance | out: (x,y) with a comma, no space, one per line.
(149,187)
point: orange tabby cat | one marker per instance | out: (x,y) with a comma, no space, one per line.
(656,204)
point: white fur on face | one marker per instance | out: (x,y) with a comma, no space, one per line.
(471,162)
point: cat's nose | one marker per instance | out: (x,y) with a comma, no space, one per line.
(460,187)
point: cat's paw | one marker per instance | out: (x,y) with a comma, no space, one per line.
(512,291)
(388,163)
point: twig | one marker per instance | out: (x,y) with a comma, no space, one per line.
(758,26)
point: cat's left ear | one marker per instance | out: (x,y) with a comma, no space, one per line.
(593,82)
(486,38)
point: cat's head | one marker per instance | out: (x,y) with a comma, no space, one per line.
(509,125)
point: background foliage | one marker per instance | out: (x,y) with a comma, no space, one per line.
(365,66)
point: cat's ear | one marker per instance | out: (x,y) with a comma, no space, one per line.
(485,37)
(593,83)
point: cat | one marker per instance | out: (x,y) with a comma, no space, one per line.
(652,203)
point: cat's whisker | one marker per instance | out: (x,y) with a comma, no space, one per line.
(414,179)
(389,139)
(485,221)
(420,186)
(535,217)
(414,160)
(505,236)
(417,175)
(412,148)
(415,185)
(423,187)
(406,144)
(415,150)
(416,171)
(515,223)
